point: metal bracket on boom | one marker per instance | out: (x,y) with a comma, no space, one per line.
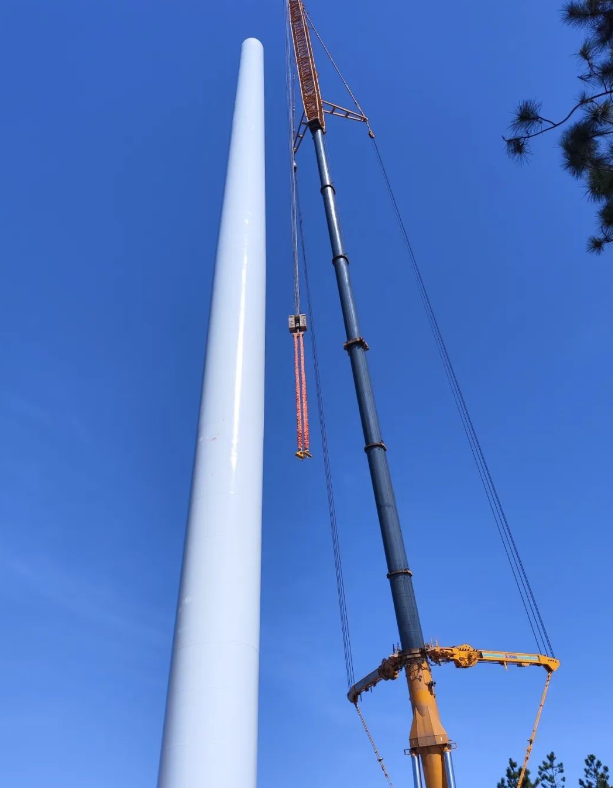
(381,445)
(399,572)
(356,341)
(343,112)
(300,134)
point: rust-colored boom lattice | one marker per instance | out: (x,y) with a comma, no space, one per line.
(307,74)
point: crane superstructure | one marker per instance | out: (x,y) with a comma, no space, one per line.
(430,745)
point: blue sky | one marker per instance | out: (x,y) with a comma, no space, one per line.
(116,120)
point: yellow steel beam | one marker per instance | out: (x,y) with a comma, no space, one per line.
(466,656)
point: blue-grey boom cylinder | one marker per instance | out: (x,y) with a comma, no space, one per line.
(401,583)
(449,772)
(417,781)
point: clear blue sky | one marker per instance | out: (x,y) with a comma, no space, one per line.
(115,128)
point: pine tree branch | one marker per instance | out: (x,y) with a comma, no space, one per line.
(553,125)
(586,141)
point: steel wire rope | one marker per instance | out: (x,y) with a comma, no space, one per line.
(464,414)
(298,233)
(378,755)
(517,567)
(338,564)
(520,576)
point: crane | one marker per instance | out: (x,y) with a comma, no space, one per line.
(431,742)
(430,745)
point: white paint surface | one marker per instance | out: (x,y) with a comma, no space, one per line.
(210,731)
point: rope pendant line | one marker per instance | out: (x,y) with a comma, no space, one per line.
(302,407)
(305,409)
(374,746)
(300,437)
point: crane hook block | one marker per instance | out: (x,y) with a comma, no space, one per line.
(297,324)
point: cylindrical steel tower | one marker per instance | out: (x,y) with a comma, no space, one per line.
(210,731)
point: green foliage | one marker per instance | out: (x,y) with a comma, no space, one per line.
(596,775)
(512,776)
(596,243)
(600,184)
(579,149)
(527,117)
(587,150)
(551,772)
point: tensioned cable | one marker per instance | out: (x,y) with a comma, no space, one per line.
(338,71)
(298,233)
(515,562)
(519,573)
(338,564)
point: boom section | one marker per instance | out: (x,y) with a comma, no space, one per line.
(305,63)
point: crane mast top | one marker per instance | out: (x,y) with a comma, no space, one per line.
(305,63)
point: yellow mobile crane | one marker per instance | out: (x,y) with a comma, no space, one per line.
(430,746)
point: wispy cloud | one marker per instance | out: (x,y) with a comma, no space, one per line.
(93,601)
(50,416)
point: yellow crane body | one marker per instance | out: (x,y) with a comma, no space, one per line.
(428,738)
